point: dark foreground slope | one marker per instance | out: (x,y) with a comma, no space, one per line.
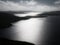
(11,42)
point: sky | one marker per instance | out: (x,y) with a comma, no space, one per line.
(29,5)
(34,25)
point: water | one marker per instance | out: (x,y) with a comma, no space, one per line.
(26,30)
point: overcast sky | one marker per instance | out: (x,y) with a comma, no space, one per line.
(29,5)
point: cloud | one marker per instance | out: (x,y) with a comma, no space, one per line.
(32,2)
(25,6)
(57,2)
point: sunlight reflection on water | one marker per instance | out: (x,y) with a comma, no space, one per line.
(28,30)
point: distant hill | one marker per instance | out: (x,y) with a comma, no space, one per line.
(16,12)
(52,13)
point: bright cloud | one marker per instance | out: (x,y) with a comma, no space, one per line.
(25,6)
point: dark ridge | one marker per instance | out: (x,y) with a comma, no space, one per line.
(12,42)
(6,19)
(52,13)
(13,12)
(16,12)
